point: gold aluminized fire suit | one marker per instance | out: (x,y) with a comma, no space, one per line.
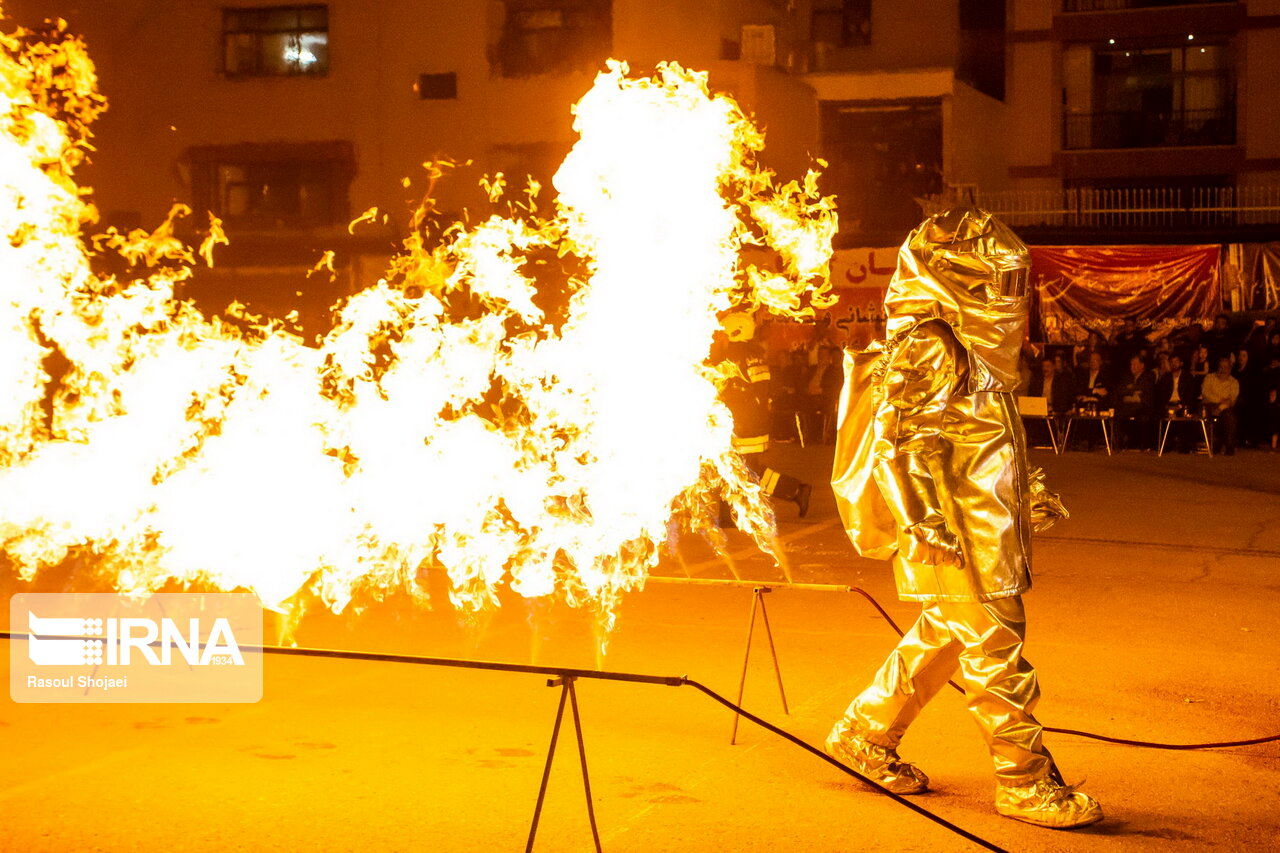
(946,449)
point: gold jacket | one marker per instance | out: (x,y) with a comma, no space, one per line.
(948,451)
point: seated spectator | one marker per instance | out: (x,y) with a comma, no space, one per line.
(1219,393)
(1135,406)
(1175,390)
(1176,395)
(1093,383)
(1058,387)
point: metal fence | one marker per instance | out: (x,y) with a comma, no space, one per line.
(1136,208)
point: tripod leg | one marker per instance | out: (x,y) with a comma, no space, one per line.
(546,770)
(746,657)
(773,652)
(582,755)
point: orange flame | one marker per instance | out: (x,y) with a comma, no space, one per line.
(495,445)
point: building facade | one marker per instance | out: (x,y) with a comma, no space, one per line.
(1124,120)
(287,120)
(1143,119)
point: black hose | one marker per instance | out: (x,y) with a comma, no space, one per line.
(601,675)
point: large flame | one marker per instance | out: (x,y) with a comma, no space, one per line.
(445,421)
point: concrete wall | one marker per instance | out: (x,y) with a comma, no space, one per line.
(159,66)
(975,139)
(1031,14)
(1034,125)
(904,34)
(1259,107)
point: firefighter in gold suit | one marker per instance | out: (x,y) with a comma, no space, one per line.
(946,485)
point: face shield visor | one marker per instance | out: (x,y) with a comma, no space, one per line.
(1010,283)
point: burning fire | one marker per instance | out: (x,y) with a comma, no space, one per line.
(495,443)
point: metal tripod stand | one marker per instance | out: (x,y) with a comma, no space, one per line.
(758,604)
(566,685)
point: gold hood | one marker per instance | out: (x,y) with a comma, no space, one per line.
(968,269)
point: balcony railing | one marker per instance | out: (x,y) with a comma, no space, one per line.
(1114,5)
(1149,130)
(1136,209)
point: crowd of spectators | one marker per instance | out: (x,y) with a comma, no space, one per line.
(1230,373)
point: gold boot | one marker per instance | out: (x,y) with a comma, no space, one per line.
(1047,803)
(879,764)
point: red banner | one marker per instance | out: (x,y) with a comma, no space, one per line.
(1077,288)
(1095,286)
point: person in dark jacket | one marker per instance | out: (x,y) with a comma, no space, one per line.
(746,393)
(1176,390)
(1177,393)
(1094,384)
(1135,405)
(1059,386)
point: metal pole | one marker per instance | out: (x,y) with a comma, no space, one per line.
(582,756)
(773,652)
(551,754)
(746,657)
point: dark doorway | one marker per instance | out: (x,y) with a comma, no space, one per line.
(882,156)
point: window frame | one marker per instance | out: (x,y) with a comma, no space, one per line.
(333,162)
(590,21)
(259,71)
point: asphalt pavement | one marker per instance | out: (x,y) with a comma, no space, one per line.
(1154,616)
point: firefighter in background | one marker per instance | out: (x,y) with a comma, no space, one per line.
(746,393)
(931,470)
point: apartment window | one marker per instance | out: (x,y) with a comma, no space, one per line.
(553,36)
(842,23)
(275,41)
(273,187)
(1151,97)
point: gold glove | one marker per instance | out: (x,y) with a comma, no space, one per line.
(1046,506)
(932,544)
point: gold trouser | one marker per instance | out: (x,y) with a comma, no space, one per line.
(983,640)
